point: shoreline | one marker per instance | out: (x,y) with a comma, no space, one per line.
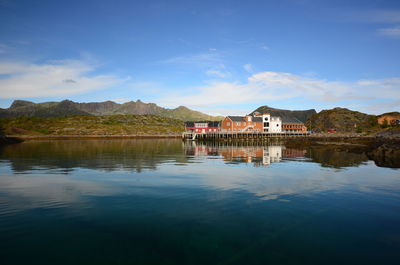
(90,137)
(314,138)
(385,151)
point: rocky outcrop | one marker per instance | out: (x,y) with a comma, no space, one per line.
(386,155)
(342,120)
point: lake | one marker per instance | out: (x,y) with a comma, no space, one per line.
(168,202)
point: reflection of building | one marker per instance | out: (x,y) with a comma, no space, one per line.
(293,153)
(272,154)
(202,126)
(257,155)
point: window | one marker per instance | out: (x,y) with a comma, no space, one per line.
(266,124)
(228,124)
(201,125)
(277,125)
(238,123)
(244,124)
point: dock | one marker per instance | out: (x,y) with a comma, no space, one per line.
(240,136)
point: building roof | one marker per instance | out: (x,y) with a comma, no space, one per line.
(190,124)
(290,120)
(236,118)
(242,118)
(213,124)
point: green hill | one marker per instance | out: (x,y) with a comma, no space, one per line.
(92,125)
(342,120)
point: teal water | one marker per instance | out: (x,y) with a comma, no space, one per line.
(165,202)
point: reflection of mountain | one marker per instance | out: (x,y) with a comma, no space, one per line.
(329,157)
(264,155)
(94,154)
(136,155)
(258,155)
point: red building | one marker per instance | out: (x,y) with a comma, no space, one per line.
(202,126)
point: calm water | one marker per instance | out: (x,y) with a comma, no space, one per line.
(163,202)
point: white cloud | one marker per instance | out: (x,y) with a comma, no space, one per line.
(390,32)
(388,19)
(381,16)
(67,77)
(275,86)
(121,100)
(248,67)
(218,73)
(264,47)
(201,59)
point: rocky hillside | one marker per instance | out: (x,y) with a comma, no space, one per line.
(302,115)
(21,108)
(343,120)
(92,125)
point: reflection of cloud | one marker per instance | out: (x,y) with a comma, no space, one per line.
(26,191)
(287,178)
(50,190)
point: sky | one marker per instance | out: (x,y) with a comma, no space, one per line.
(218,57)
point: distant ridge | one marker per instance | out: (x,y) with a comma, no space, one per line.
(22,108)
(301,115)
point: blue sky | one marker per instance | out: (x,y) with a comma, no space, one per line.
(219,57)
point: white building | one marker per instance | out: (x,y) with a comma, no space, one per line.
(271,124)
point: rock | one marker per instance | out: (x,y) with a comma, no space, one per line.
(386,155)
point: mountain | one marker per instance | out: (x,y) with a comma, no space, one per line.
(20,108)
(342,120)
(302,115)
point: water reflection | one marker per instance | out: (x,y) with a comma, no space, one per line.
(258,155)
(263,154)
(138,155)
(165,202)
(109,155)
(169,163)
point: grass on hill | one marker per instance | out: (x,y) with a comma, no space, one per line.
(343,120)
(92,125)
